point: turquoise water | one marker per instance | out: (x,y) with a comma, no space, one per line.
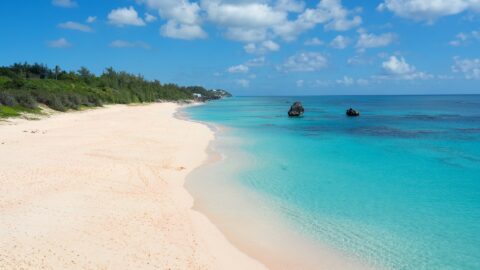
(398,187)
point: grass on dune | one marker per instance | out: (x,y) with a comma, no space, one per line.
(7,111)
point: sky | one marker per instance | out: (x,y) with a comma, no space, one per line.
(257,47)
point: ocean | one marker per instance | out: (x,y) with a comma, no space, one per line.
(396,188)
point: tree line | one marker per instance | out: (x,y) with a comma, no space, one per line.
(25,86)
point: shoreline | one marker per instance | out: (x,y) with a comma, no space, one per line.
(256,242)
(105,189)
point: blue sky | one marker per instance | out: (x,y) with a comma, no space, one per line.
(258,47)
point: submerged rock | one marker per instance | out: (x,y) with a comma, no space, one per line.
(352,112)
(296,109)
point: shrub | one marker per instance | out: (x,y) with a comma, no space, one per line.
(16,83)
(26,100)
(7,100)
(55,103)
(95,101)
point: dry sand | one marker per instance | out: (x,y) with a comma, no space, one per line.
(104,189)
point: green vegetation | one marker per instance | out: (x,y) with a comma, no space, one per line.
(7,111)
(23,87)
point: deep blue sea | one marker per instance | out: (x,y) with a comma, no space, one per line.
(397,187)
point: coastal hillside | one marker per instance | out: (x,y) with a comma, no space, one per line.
(23,87)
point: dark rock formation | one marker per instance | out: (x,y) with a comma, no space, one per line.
(296,109)
(352,112)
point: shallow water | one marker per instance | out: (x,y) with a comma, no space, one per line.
(397,187)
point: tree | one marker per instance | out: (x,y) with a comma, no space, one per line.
(85,74)
(57,71)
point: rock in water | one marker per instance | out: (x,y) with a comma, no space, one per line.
(352,112)
(296,109)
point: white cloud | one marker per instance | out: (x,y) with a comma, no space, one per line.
(255,21)
(149,17)
(180,11)
(469,67)
(250,48)
(183,19)
(59,43)
(246,67)
(176,30)
(460,39)
(91,19)
(344,24)
(347,81)
(238,69)
(243,15)
(125,16)
(358,60)
(445,77)
(304,61)
(455,43)
(339,16)
(428,10)
(65,3)
(300,83)
(244,21)
(340,42)
(362,82)
(290,5)
(322,83)
(246,35)
(173,29)
(465,38)
(330,12)
(313,42)
(270,45)
(262,48)
(256,62)
(243,83)
(366,40)
(75,26)
(129,44)
(398,68)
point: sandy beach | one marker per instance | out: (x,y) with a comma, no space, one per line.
(104,189)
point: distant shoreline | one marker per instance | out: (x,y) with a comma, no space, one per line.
(25,87)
